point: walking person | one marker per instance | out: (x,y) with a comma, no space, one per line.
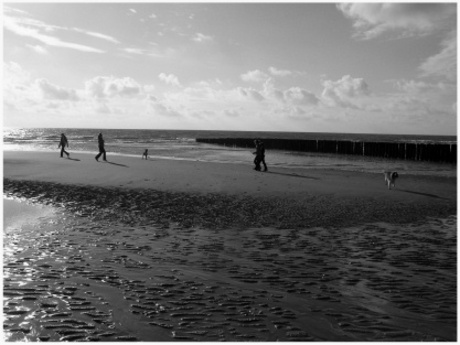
(262,155)
(257,158)
(63,144)
(100,141)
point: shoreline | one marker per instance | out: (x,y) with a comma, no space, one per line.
(175,251)
(210,194)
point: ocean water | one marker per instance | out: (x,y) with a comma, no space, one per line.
(181,145)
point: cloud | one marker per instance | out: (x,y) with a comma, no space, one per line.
(270,91)
(38,49)
(232,113)
(421,95)
(199,37)
(299,96)
(51,91)
(162,108)
(251,94)
(170,79)
(292,96)
(345,91)
(14,73)
(254,76)
(109,87)
(7,9)
(97,35)
(16,85)
(443,64)
(414,87)
(102,108)
(136,51)
(32,28)
(374,19)
(152,52)
(279,73)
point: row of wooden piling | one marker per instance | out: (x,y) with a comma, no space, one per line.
(433,152)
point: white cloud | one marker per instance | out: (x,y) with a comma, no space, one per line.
(170,79)
(154,51)
(17,85)
(97,35)
(13,73)
(102,108)
(232,113)
(293,96)
(344,92)
(254,76)
(414,87)
(374,19)
(51,91)
(251,93)
(136,51)
(280,73)
(108,87)
(162,108)
(149,88)
(270,91)
(32,28)
(199,37)
(38,49)
(443,64)
(7,9)
(299,96)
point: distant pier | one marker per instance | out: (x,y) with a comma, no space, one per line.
(430,152)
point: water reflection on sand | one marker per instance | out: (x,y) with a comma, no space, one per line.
(69,278)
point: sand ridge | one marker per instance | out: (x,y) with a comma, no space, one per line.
(232,194)
(210,177)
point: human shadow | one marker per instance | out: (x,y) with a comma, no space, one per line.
(292,175)
(419,193)
(74,159)
(120,165)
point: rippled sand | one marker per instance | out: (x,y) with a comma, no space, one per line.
(79,273)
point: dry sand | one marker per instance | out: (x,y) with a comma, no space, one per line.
(190,251)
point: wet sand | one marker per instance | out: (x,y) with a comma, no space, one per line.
(312,259)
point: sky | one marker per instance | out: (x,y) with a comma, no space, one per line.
(304,67)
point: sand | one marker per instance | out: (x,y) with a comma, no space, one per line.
(280,197)
(164,250)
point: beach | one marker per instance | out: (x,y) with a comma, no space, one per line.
(182,250)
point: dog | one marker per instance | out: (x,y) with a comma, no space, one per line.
(145,154)
(390,178)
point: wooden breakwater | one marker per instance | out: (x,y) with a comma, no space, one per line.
(432,152)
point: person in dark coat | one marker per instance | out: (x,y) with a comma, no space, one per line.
(257,158)
(63,144)
(100,141)
(262,155)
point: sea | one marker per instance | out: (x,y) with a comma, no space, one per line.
(182,145)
